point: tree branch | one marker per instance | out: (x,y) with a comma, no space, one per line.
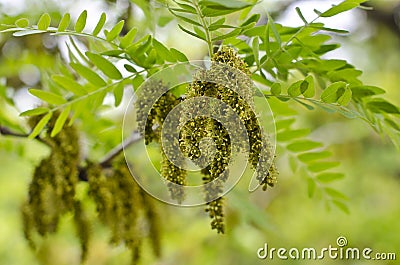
(134,138)
(7,132)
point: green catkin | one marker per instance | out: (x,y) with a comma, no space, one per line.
(153,220)
(233,86)
(231,83)
(82,227)
(152,130)
(52,189)
(121,204)
(100,191)
(266,172)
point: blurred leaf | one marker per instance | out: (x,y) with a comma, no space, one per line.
(291,134)
(22,23)
(44,22)
(272,26)
(345,98)
(64,23)
(307,87)
(392,124)
(162,51)
(88,74)
(128,38)
(256,50)
(366,91)
(335,193)
(321,166)
(61,119)
(130,68)
(27,32)
(34,112)
(311,187)
(69,84)
(284,124)
(252,19)
(379,105)
(307,157)
(232,33)
(329,177)
(342,7)
(179,55)
(301,15)
(186,19)
(191,33)
(330,94)
(115,31)
(40,125)
(294,89)
(187,8)
(104,65)
(303,145)
(223,4)
(293,164)
(100,24)
(118,93)
(276,89)
(341,206)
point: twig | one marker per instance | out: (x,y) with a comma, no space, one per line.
(7,132)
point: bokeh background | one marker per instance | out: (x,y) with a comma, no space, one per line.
(282,217)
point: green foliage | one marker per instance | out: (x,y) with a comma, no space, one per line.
(287,62)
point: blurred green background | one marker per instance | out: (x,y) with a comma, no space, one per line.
(282,217)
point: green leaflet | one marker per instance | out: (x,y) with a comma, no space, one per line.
(64,23)
(342,7)
(128,38)
(22,23)
(104,65)
(44,21)
(69,84)
(311,156)
(322,166)
(81,21)
(47,96)
(88,74)
(289,135)
(61,119)
(276,89)
(34,112)
(40,125)
(118,93)
(100,24)
(329,177)
(331,93)
(378,105)
(307,87)
(115,31)
(294,89)
(303,145)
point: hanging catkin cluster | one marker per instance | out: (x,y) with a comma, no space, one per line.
(52,189)
(151,125)
(229,81)
(123,207)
